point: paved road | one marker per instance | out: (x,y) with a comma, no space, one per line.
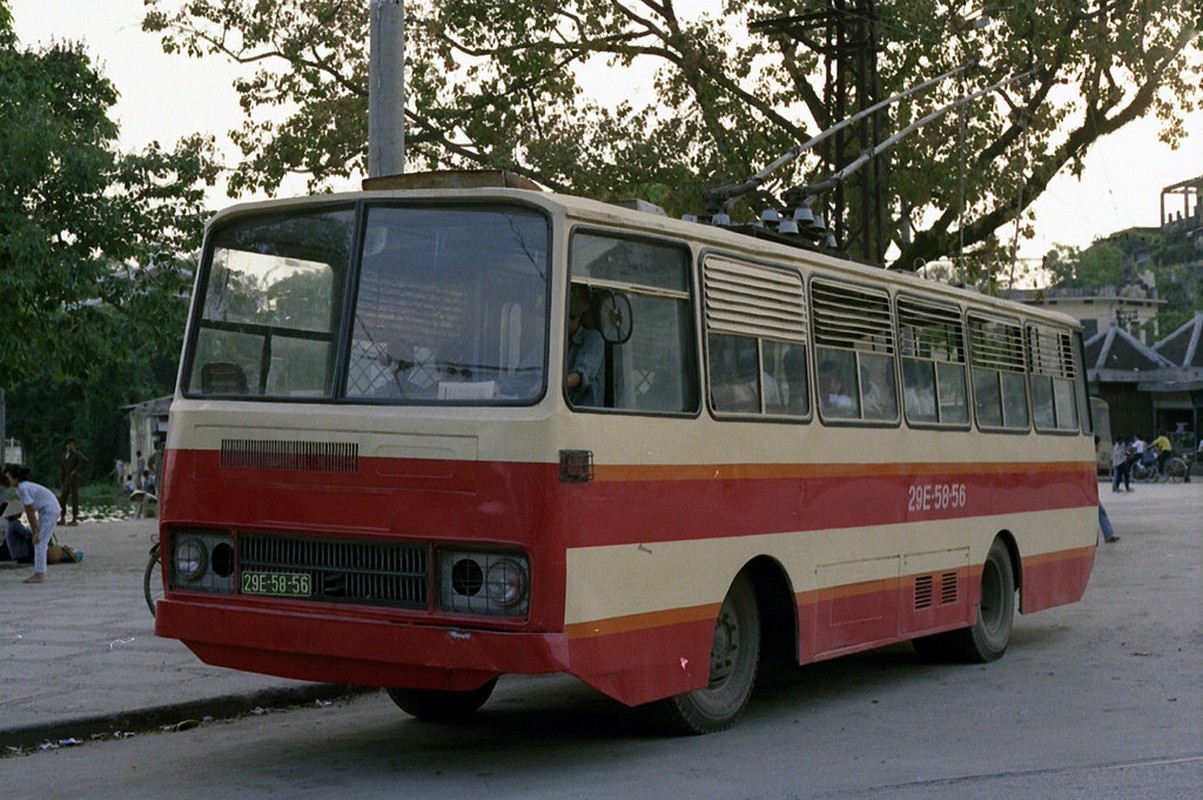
(1102,699)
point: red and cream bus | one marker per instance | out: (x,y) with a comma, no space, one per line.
(376,474)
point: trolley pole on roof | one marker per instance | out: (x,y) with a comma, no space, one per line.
(386,89)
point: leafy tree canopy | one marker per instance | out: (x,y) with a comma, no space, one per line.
(95,247)
(499,85)
(91,239)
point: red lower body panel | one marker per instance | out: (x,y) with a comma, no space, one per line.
(366,652)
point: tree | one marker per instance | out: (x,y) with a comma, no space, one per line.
(91,240)
(1101,264)
(499,85)
(94,253)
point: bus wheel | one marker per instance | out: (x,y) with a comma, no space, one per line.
(734,659)
(435,705)
(986,640)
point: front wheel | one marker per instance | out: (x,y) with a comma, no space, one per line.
(438,705)
(987,639)
(1175,470)
(734,661)
(1144,473)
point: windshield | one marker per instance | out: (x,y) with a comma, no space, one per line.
(449,306)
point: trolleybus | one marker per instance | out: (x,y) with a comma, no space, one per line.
(377,474)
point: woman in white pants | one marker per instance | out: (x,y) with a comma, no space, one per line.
(41,509)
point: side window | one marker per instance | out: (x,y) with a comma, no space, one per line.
(1053,376)
(755,340)
(855,352)
(932,344)
(999,385)
(636,320)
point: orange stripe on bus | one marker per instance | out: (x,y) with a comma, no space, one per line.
(638,622)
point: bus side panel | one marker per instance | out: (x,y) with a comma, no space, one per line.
(1055,579)
(642,664)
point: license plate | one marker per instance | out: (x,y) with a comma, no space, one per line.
(276,584)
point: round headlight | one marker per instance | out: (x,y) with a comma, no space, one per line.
(505,583)
(190,559)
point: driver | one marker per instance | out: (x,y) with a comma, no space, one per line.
(584,380)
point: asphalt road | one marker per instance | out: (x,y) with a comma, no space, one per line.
(1102,699)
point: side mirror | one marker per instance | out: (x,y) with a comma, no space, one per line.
(614,320)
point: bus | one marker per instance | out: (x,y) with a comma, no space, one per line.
(453,427)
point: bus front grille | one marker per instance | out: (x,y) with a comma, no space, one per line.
(367,573)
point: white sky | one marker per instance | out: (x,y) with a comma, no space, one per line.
(166,97)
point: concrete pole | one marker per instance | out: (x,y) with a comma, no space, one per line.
(386,89)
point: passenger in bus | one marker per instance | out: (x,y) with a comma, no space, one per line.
(584,380)
(880,400)
(834,399)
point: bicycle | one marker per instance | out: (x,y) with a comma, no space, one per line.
(152,578)
(1145,472)
(1176,469)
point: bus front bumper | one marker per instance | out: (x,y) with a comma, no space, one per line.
(332,648)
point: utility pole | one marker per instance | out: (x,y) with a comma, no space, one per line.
(386,89)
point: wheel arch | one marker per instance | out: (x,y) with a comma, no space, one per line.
(778,607)
(1008,539)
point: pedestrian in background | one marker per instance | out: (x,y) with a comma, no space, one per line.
(1121,467)
(41,509)
(70,466)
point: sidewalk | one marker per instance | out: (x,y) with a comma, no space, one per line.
(78,654)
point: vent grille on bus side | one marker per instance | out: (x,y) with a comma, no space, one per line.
(369,573)
(925,590)
(287,455)
(948,588)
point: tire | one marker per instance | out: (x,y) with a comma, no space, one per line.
(1143,473)
(435,705)
(1175,470)
(734,661)
(987,639)
(152,581)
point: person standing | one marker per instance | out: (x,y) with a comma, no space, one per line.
(69,467)
(42,509)
(1121,467)
(139,468)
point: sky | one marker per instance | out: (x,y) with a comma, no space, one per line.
(165,97)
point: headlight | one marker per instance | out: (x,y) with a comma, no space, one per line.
(201,561)
(495,584)
(505,583)
(190,559)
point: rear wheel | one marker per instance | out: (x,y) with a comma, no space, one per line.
(734,661)
(437,705)
(988,637)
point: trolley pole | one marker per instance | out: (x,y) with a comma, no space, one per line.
(386,89)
